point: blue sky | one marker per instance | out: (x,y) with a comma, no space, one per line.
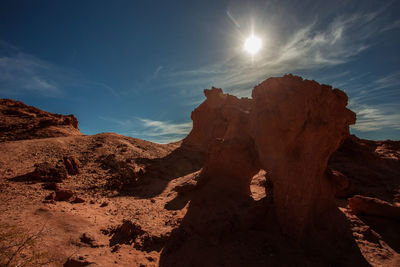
(139,68)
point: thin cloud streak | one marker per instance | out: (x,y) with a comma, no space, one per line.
(394,25)
(163,131)
(376,117)
(378,88)
(307,48)
(157,128)
(391,80)
(22,72)
(152,130)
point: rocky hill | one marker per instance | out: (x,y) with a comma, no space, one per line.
(19,121)
(274,180)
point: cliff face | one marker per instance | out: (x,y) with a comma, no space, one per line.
(19,121)
(289,128)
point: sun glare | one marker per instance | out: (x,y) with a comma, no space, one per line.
(252,44)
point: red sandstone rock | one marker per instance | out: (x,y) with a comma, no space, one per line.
(126,233)
(297,124)
(78,200)
(46,172)
(374,206)
(232,160)
(60,195)
(372,167)
(290,128)
(77,262)
(19,121)
(72,165)
(209,122)
(344,187)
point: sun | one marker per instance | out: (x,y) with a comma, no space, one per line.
(252,44)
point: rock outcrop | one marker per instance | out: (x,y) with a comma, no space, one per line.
(373,206)
(289,128)
(46,172)
(232,160)
(372,167)
(19,121)
(296,125)
(210,118)
(72,165)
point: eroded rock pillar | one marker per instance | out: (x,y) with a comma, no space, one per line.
(296,125)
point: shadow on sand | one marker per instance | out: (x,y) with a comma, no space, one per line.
(160,171)
(222,230)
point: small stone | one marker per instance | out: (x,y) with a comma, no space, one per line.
(63,195)
(77,262)
(78,200)
(115,248)
(72,165)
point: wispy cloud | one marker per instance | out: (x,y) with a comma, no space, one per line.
(376,117)
(152,130)
(23,72)
(163,131)
(390,80)
(378,88)
(394,25)
(154,75)
(375,102)
(308,47)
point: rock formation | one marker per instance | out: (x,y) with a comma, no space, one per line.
(296,125)
(289,128)
(19,121)
(72,165)
(232,160)
(373,206)
(210,119)
(372,167)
